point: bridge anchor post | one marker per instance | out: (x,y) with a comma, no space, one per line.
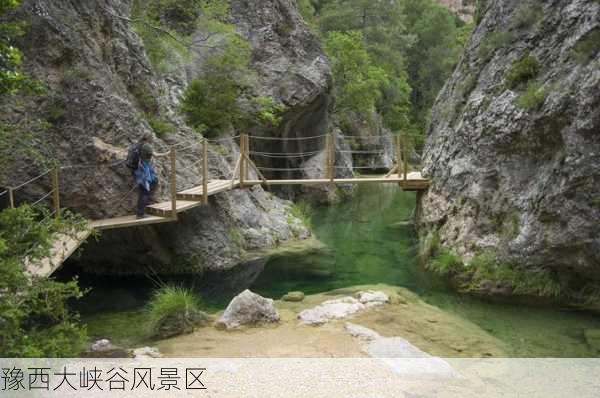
(11,197)
(55,192)
(205,172)
(173,158)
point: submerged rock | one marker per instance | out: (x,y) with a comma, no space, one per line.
(293,297)
(248,308)
(105,349)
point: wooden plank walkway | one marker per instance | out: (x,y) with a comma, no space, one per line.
(65,245)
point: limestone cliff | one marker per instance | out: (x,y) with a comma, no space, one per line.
(102,94)
(465,9)
(513,150)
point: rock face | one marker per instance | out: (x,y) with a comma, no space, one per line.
(102,95)
(465,9)
(512,175)
(248,309)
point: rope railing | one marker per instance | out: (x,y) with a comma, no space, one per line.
(40,200)
(265,138)
(279,155)
(363,152)
(400,146)
(34,179)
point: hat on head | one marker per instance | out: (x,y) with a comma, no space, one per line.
(147,152)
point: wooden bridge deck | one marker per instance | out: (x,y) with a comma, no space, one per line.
(164,212)
(65,245)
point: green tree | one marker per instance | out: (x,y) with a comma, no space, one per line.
(210,103)
(434,54)
(358,82)
(11,78)
(35,320)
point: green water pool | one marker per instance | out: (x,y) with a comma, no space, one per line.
(367,241)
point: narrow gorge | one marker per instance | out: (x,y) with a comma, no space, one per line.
(484,115)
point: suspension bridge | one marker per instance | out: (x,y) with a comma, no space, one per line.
(246,174)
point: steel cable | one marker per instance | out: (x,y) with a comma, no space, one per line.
(265,138)
(31,180)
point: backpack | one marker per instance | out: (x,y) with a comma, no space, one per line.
(133,157)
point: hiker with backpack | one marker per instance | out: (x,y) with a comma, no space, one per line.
(139,161)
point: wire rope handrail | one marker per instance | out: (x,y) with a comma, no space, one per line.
(31,180)
(266,138)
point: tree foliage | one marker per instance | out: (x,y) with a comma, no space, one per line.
(357,80)
(399,54)
(35,320)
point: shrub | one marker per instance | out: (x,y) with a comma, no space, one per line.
(178,15)
(480,10)
(429,247)
(587,47)
(522,71)
(237,237)
(493,42)
(161,126)
(269,111)
(35,317)
(174,310)
(446,262)
(303,211)
(533,97)
(527,15)
(145,99)
(485,269)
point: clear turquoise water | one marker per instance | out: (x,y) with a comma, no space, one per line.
(367,242)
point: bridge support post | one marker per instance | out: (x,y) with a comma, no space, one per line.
(405,150)
(11,198)
(55,192)
(205,171)
(247,158)
(332,157)
(242,160)
(327,155)
(398,153)
(173,157)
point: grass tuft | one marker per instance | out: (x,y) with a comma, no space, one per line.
(171,304)
(522,71)
(533,97)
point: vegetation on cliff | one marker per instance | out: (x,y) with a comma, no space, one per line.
(388,58)
(220,98)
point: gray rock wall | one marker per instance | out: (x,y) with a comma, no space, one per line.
(524,183)
(102,91)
